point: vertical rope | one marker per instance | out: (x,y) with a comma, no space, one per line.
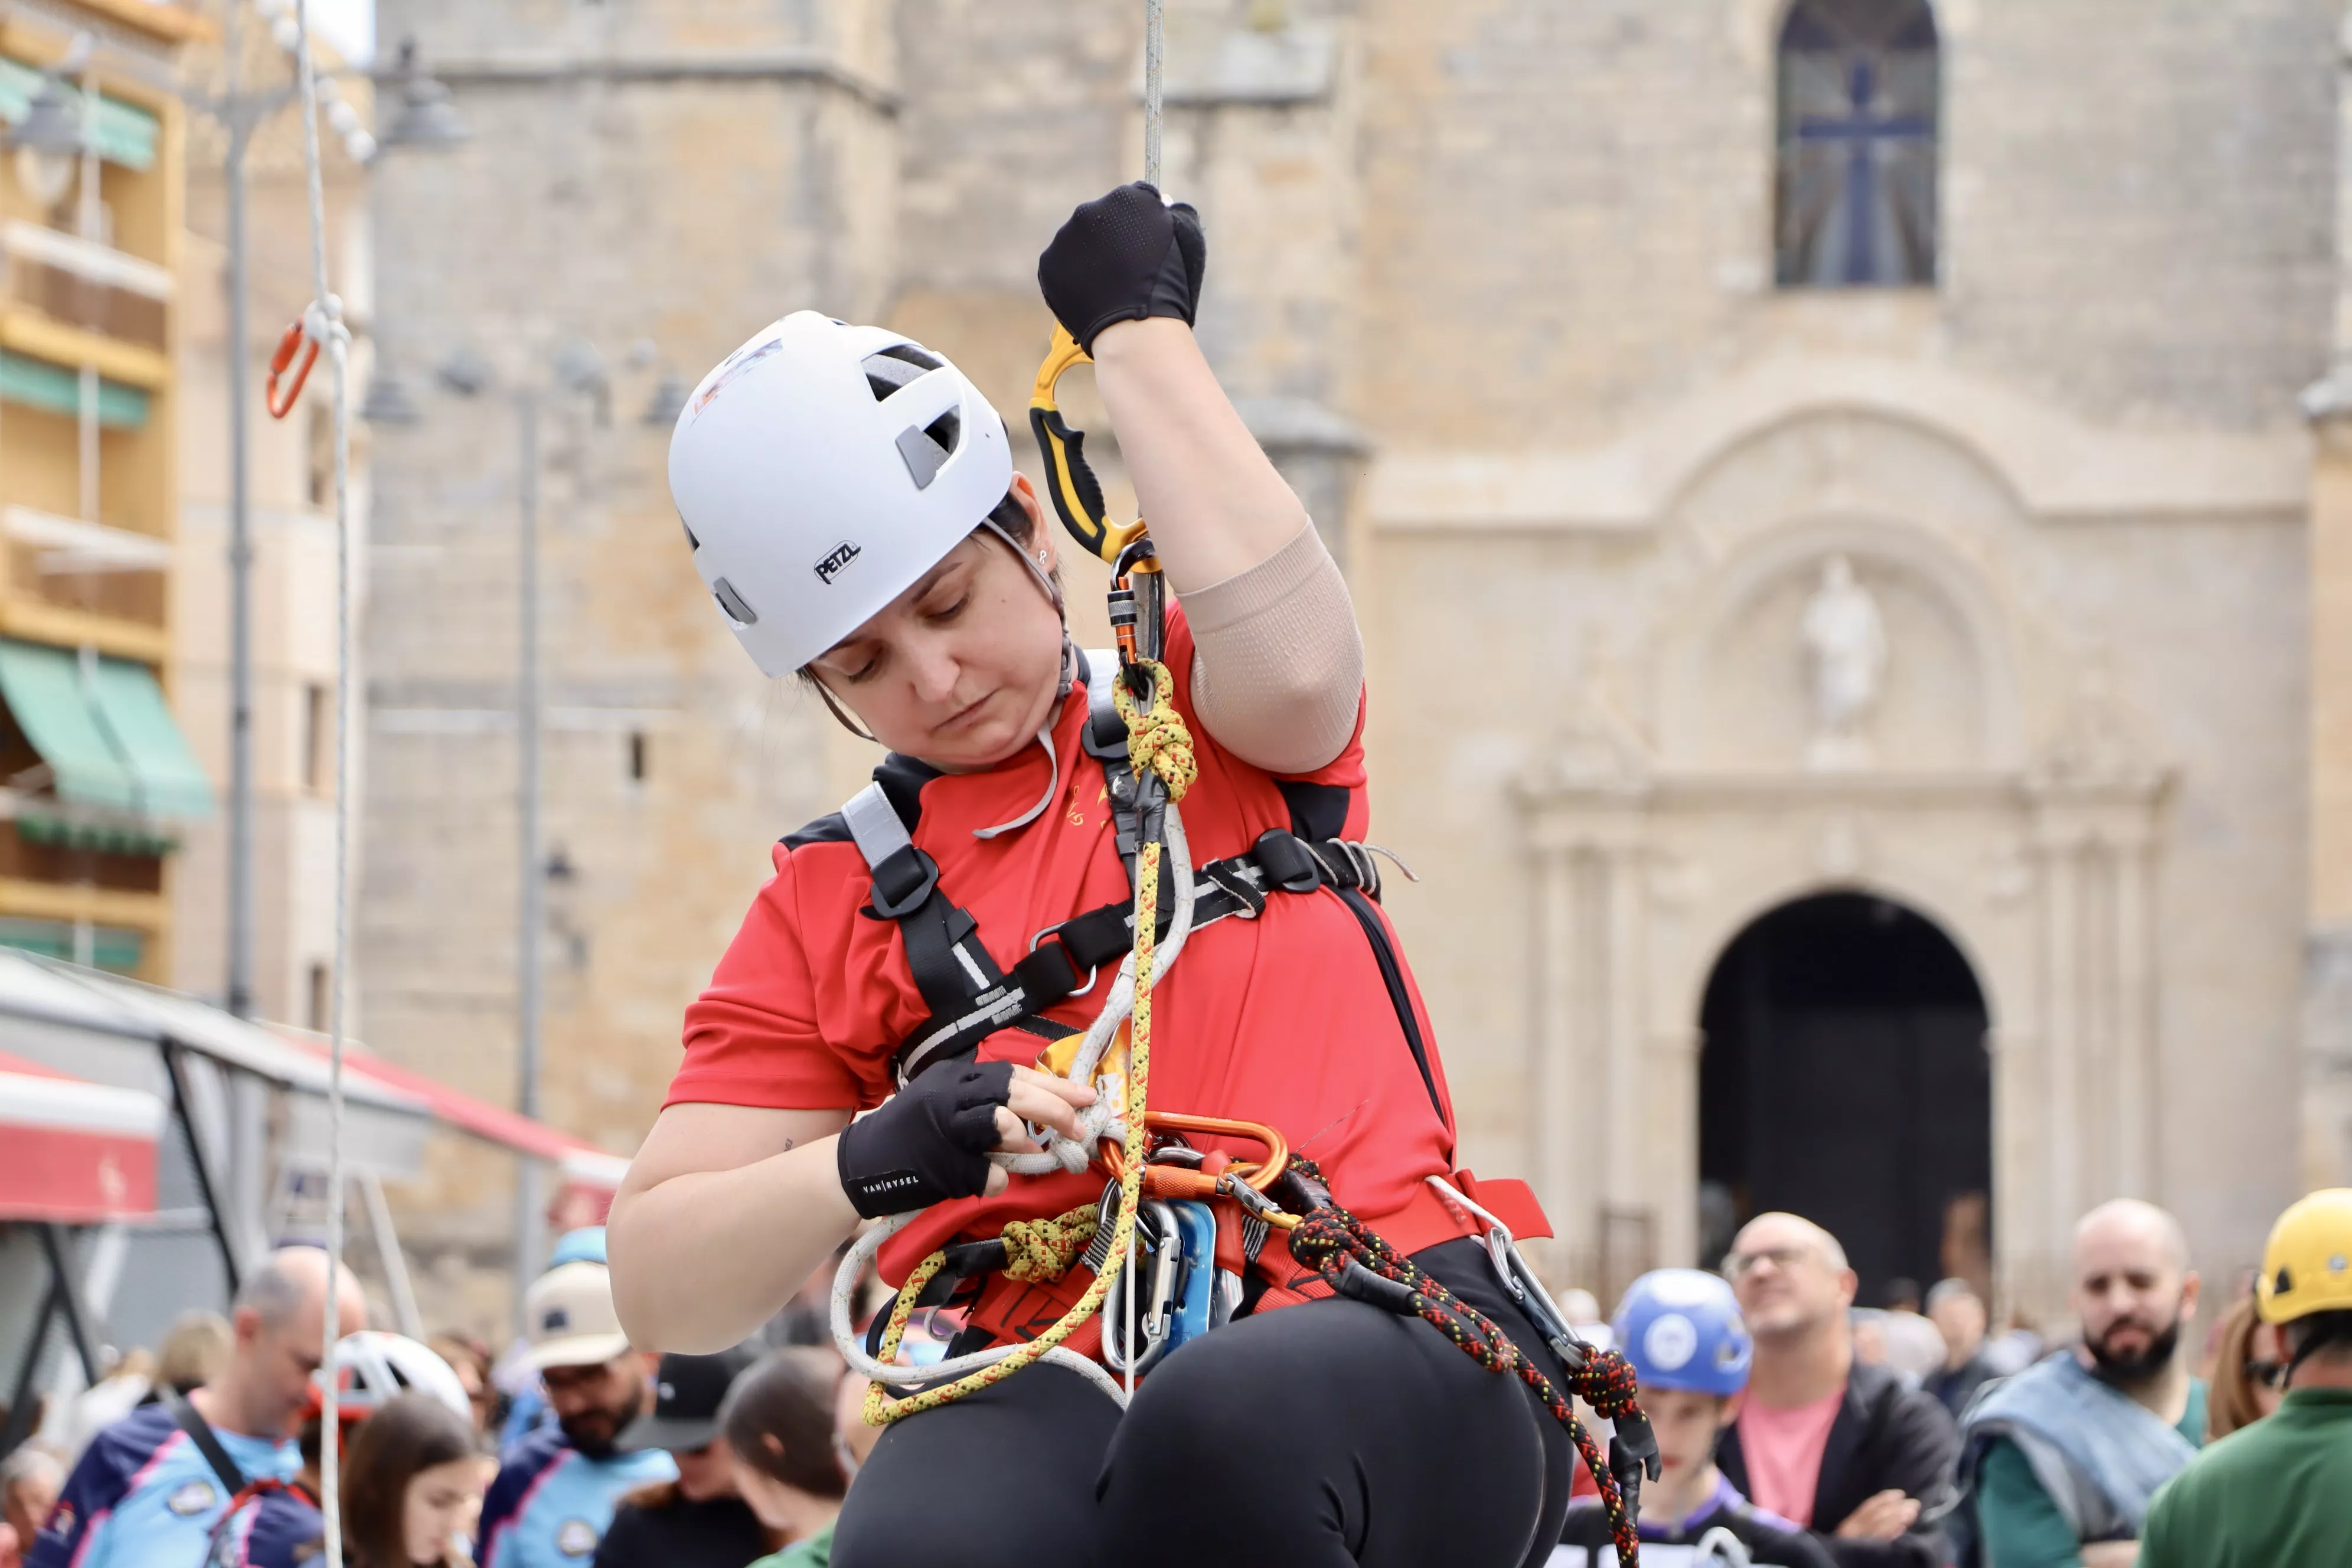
(325,324)
(1153,30)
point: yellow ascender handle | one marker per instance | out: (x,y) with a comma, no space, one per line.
(1076,493)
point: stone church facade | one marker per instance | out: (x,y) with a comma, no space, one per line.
(1789,462)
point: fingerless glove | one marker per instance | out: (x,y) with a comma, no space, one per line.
(927,1143)
(1121,257)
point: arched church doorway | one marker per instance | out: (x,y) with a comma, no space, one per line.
(1844,1077)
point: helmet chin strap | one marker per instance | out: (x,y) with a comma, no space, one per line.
(1068,679)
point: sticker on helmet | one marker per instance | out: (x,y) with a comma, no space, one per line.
(842,555)
(1670,1343)
(739,362)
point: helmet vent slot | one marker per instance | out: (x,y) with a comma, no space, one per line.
(894,366)
(691,543)
(927,450)
(738,610)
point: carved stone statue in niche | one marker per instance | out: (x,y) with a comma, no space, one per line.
(1845,648)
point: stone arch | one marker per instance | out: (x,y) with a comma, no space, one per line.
(1846,1074)
(1727,917)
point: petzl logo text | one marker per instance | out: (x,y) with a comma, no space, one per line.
(830,567)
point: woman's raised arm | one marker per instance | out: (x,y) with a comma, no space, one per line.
(726,1211)
(1279,666)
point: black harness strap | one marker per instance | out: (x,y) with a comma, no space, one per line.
(970,998)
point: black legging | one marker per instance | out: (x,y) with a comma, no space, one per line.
(1321,1435)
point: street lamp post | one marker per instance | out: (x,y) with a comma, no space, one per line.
(578,369)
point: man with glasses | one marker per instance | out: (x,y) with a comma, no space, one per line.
(2065,1459)
(1845,1450)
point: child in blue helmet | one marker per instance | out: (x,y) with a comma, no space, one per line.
(1680,1329)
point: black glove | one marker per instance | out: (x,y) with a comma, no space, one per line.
(928,1142)
(1121,257)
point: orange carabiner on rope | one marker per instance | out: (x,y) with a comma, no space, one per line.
(1174,1184)
(295,338)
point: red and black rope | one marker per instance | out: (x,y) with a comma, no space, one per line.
(1329,1238)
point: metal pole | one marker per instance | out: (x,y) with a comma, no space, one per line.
(240,559)
(183,1106)
(529,1222)
(1151,94)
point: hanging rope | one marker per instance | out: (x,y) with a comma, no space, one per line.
(322,325)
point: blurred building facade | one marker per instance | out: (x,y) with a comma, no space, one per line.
(99,782)
(1824,483)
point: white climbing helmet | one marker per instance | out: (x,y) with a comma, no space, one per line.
(821,470)
(373,1368)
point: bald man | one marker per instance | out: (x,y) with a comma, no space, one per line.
(1842,1447)
(144,1492)
(2066,1456)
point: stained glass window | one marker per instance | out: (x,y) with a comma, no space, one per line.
(1859,89)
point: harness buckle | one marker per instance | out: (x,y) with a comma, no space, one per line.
(1057,969)
(1289,865)
(912,874)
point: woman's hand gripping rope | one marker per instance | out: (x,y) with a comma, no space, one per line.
(1158,742)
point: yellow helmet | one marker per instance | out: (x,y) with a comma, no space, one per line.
(2307,1263)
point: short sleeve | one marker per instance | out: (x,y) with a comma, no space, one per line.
(751,1037)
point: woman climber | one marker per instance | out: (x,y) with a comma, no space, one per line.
(852,504)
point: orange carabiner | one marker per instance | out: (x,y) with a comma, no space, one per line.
(295,338)
(1179,1183)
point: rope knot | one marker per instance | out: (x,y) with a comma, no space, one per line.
(1040,1251)
(1606,1381)
(1156,736)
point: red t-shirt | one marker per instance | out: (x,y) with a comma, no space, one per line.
(1285,1019)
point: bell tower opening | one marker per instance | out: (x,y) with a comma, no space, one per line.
(1844,1077)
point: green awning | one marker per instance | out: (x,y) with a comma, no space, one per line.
(110,947)
(130,705)
(123,135)
(37,384)
(103,726)
(43,688)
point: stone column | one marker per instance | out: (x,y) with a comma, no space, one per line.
(1261,136)
(1597,1168)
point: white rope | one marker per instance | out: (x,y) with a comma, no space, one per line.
(322,322)
(1153,32)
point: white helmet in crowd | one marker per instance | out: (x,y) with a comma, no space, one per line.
(373,1368)
(821,470)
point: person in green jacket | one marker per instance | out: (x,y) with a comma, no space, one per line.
(2274,1494)
(789,1462)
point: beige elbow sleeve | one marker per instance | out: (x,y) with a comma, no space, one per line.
(1278,663)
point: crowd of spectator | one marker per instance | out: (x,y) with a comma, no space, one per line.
(210,1449)
(1806,1430)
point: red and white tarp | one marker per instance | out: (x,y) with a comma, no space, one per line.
(74,1152)
(587,1175)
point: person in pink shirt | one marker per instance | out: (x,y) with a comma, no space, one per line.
(1840,1446)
